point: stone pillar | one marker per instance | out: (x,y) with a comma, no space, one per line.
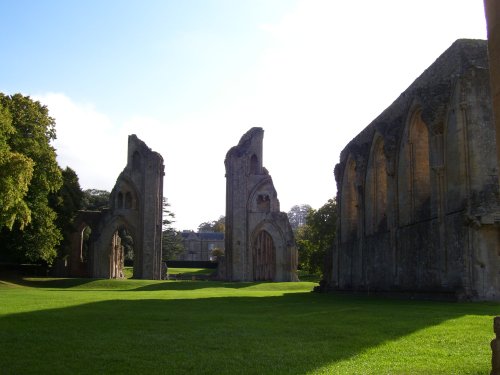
(495,348)
(492,12)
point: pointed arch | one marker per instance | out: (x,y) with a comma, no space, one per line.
(254,164)
(414,177)
(376,188)
(455,152)
(349,201)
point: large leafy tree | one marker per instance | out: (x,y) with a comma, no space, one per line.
(16,171)
(66,202)
(33,130)
(316,237)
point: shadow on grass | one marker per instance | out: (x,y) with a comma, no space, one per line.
(194,285)
(127,285)
(292,334)
(44,282)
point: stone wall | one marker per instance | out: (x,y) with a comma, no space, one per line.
(492,12)
(135,205)
(418,188)
(259,243)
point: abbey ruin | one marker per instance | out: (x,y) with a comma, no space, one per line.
(418,193)
(136,206)
(259,241)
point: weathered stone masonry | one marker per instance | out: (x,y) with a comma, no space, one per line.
(418,188)
(259,243)
(136,205)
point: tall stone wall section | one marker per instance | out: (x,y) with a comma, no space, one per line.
(259,242)
(492,12)
(418,188)
(136,206)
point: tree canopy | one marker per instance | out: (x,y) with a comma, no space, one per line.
(16,171)
(95,200)
(218,225)
(66,202)
(31,173)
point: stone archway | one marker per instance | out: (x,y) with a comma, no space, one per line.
(135,204)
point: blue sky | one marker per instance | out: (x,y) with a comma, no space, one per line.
(190,77)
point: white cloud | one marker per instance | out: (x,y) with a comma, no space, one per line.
(86,141)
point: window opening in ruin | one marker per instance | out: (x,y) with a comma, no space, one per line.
(85,244)
(264,257)
(420,168)
(119,200)
(263,203)
(376,190)
(129,203)
(349,199)
(254,165)
(414,173)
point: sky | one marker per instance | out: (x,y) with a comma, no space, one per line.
(190,77)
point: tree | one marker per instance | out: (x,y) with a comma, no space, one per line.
(16,171)
(316,238)
(171,238)
(218,225)
(34,129)
(95,200)
(297,215)
(66,202)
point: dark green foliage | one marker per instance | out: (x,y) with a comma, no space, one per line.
(16,171)
(171,238)
(66,202)
(316,237)
(95,200)
(128,244)
(33,131)
(171,244)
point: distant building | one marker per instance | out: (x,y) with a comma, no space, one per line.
(199,246)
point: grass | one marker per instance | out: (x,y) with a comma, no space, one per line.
(191,271)
(129,271)
(85,326)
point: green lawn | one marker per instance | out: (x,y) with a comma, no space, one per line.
(129,271)
(85,326)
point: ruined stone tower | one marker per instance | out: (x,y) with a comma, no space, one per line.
(135,206)
(258,240)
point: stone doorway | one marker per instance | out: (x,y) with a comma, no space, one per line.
(264,257)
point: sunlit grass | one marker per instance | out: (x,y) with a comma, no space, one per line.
(191,271)
(61,326)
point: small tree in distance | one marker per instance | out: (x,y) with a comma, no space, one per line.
(171,238)
(297,216)
(315,238)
